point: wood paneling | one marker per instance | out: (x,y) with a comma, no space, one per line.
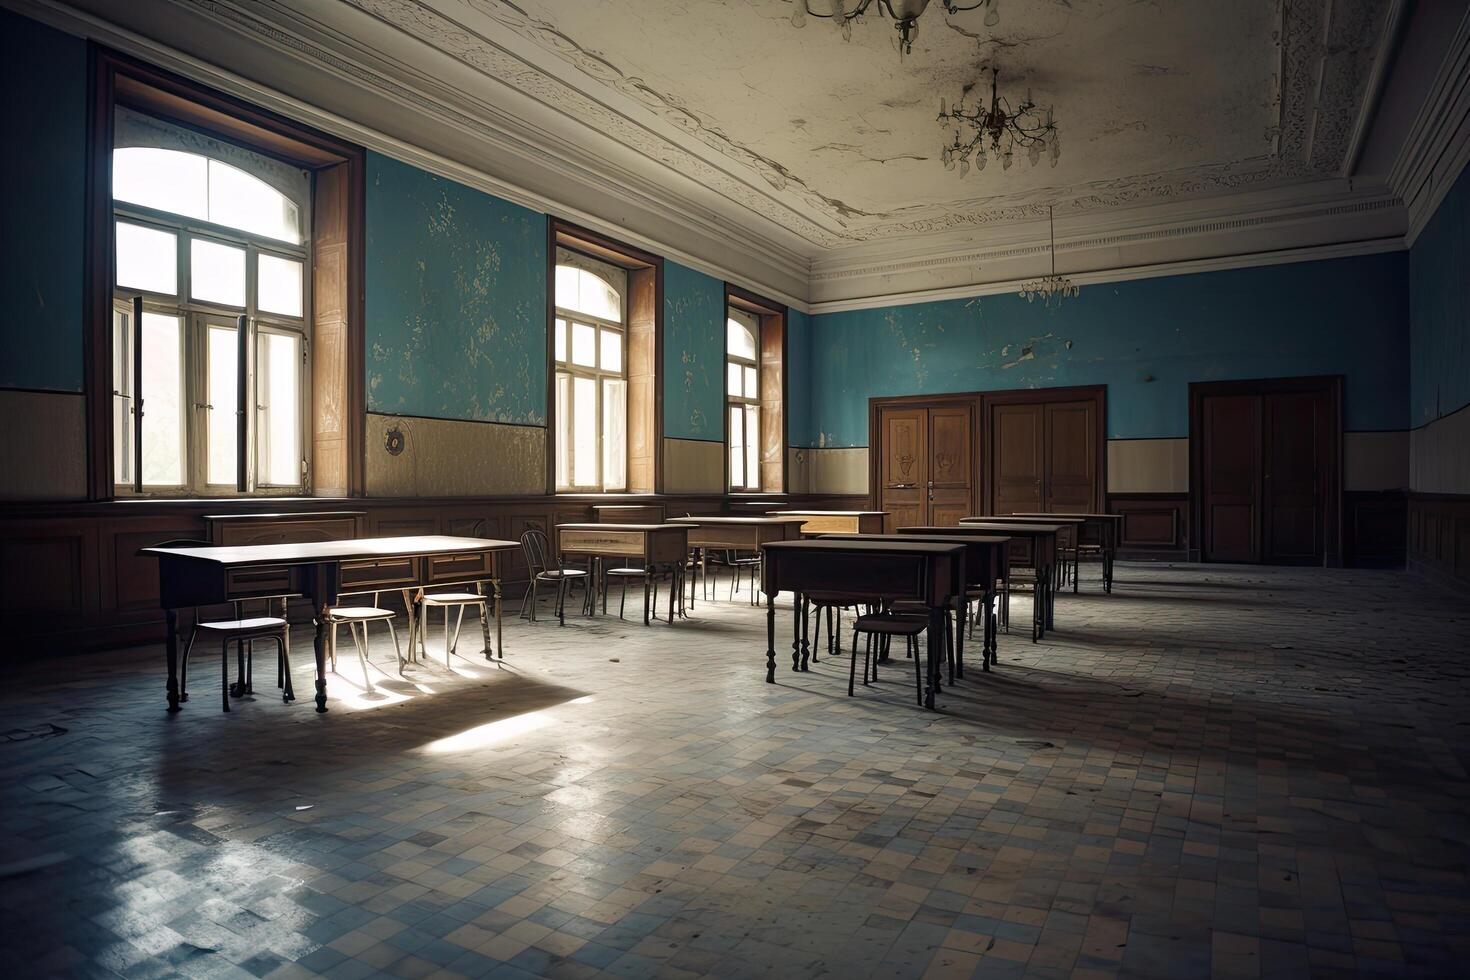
(1017,464)
(951,469)
(1439,537)
(925,469)
(1071,458)
(1230,478)
(1375,528)
(1155,525)
(643,307)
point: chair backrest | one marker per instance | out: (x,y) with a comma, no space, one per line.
(536,546)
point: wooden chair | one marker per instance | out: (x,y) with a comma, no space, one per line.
(883,626)
(356,618)
(447,601)
(537,548)
(242,631)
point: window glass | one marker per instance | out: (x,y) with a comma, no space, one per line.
(584,425)
(163,400)
(740,339)
(612,350)
(564,419)
(122,396)
(752,447)
(147,259)
(278,285)
(278,408)
(561,340)
(586,292)
(614,433)
(584,340)
(751,390)
(737,446)
(165,180)
(222,403)
(732,379)
(238,200)
(216,272)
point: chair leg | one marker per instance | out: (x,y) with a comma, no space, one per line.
(852,671)
(288,694)
(918,668)
(623,599)
(458,624)
(224,676)
(645,598)
(360,643)
(184,666)
(397,650)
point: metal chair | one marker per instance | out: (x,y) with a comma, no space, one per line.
(447,601)
(242,631)
(537,548)
(356,618)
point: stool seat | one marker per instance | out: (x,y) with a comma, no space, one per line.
(248,625)
(638,572)
(359,613)
(891,625)
(452,598)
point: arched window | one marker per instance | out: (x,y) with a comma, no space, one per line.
(211,273)
(742,396)
(591,374)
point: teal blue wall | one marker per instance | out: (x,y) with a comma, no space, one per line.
(1439,310)
(1146,339)
(798,374)
(43,181)
(456,300)
(694,354)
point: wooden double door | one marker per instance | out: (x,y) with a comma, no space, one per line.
(1044,456)
(926,472)
(1266,470)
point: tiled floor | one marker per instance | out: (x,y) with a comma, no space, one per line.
(1232,771)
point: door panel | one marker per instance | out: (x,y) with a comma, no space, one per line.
(1293,450)
(1231,478)
(1016,457)
(903,465)
(951,490)
(1071,458)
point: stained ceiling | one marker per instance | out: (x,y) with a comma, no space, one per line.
(837,139)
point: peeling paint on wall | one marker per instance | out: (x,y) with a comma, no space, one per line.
(1146,339)
(694,354)
(456,300)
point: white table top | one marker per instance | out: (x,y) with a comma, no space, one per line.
(310,552)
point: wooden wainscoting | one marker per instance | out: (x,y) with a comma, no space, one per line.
(71,578)
(1439,537)
(1155,525)
(1375,528)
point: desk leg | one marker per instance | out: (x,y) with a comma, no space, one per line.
(321,654)
(806,612)
(1051,599)
(961,610)
(796,601)
(935,647)
(770,638)
(991,630)
(499,620)
(172,617)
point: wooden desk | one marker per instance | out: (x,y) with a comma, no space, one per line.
(928,572)
(734,534)
(1067,539)
(1033,546)
(984,555)
(987,561)
(320,571)
(629,513)
(837,521)
(1101,531)
(654,545)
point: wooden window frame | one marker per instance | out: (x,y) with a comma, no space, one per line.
(597,374)
(643,313)
(771,382)
(335,438)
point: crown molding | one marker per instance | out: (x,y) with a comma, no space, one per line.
(1393,26)
(1153,271)
(755,262)
(1438,146)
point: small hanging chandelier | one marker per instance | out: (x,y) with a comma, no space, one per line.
(1027,128)
(1052,287)
(905,14)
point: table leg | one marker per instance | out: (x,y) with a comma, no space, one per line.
(935,649)
(770,638)
(499,620)
(171,616)
(991,631)
(961,609)
(1051,599)
(321,654)
(796,601)
(489,651)
(806,610)
(413,654)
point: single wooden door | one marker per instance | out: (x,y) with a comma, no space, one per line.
(1017,461)
(1230,474)
(1295,433)
(951,474)
(1071,458)
(903,464)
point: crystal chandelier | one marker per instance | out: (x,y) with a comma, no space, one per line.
(905,14)
(998,131)
(1052,287)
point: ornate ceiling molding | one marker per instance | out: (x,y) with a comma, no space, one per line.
(1325,50)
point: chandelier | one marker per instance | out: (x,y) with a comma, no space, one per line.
(1052,287)
(998,131)
(905,14)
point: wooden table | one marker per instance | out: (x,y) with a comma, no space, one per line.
(837,521)
(321,571)
(1033,546)
(654,545)
(985,555)
(1103,532)
(735,534)
(987,561)
(931,573)
(1067,540)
